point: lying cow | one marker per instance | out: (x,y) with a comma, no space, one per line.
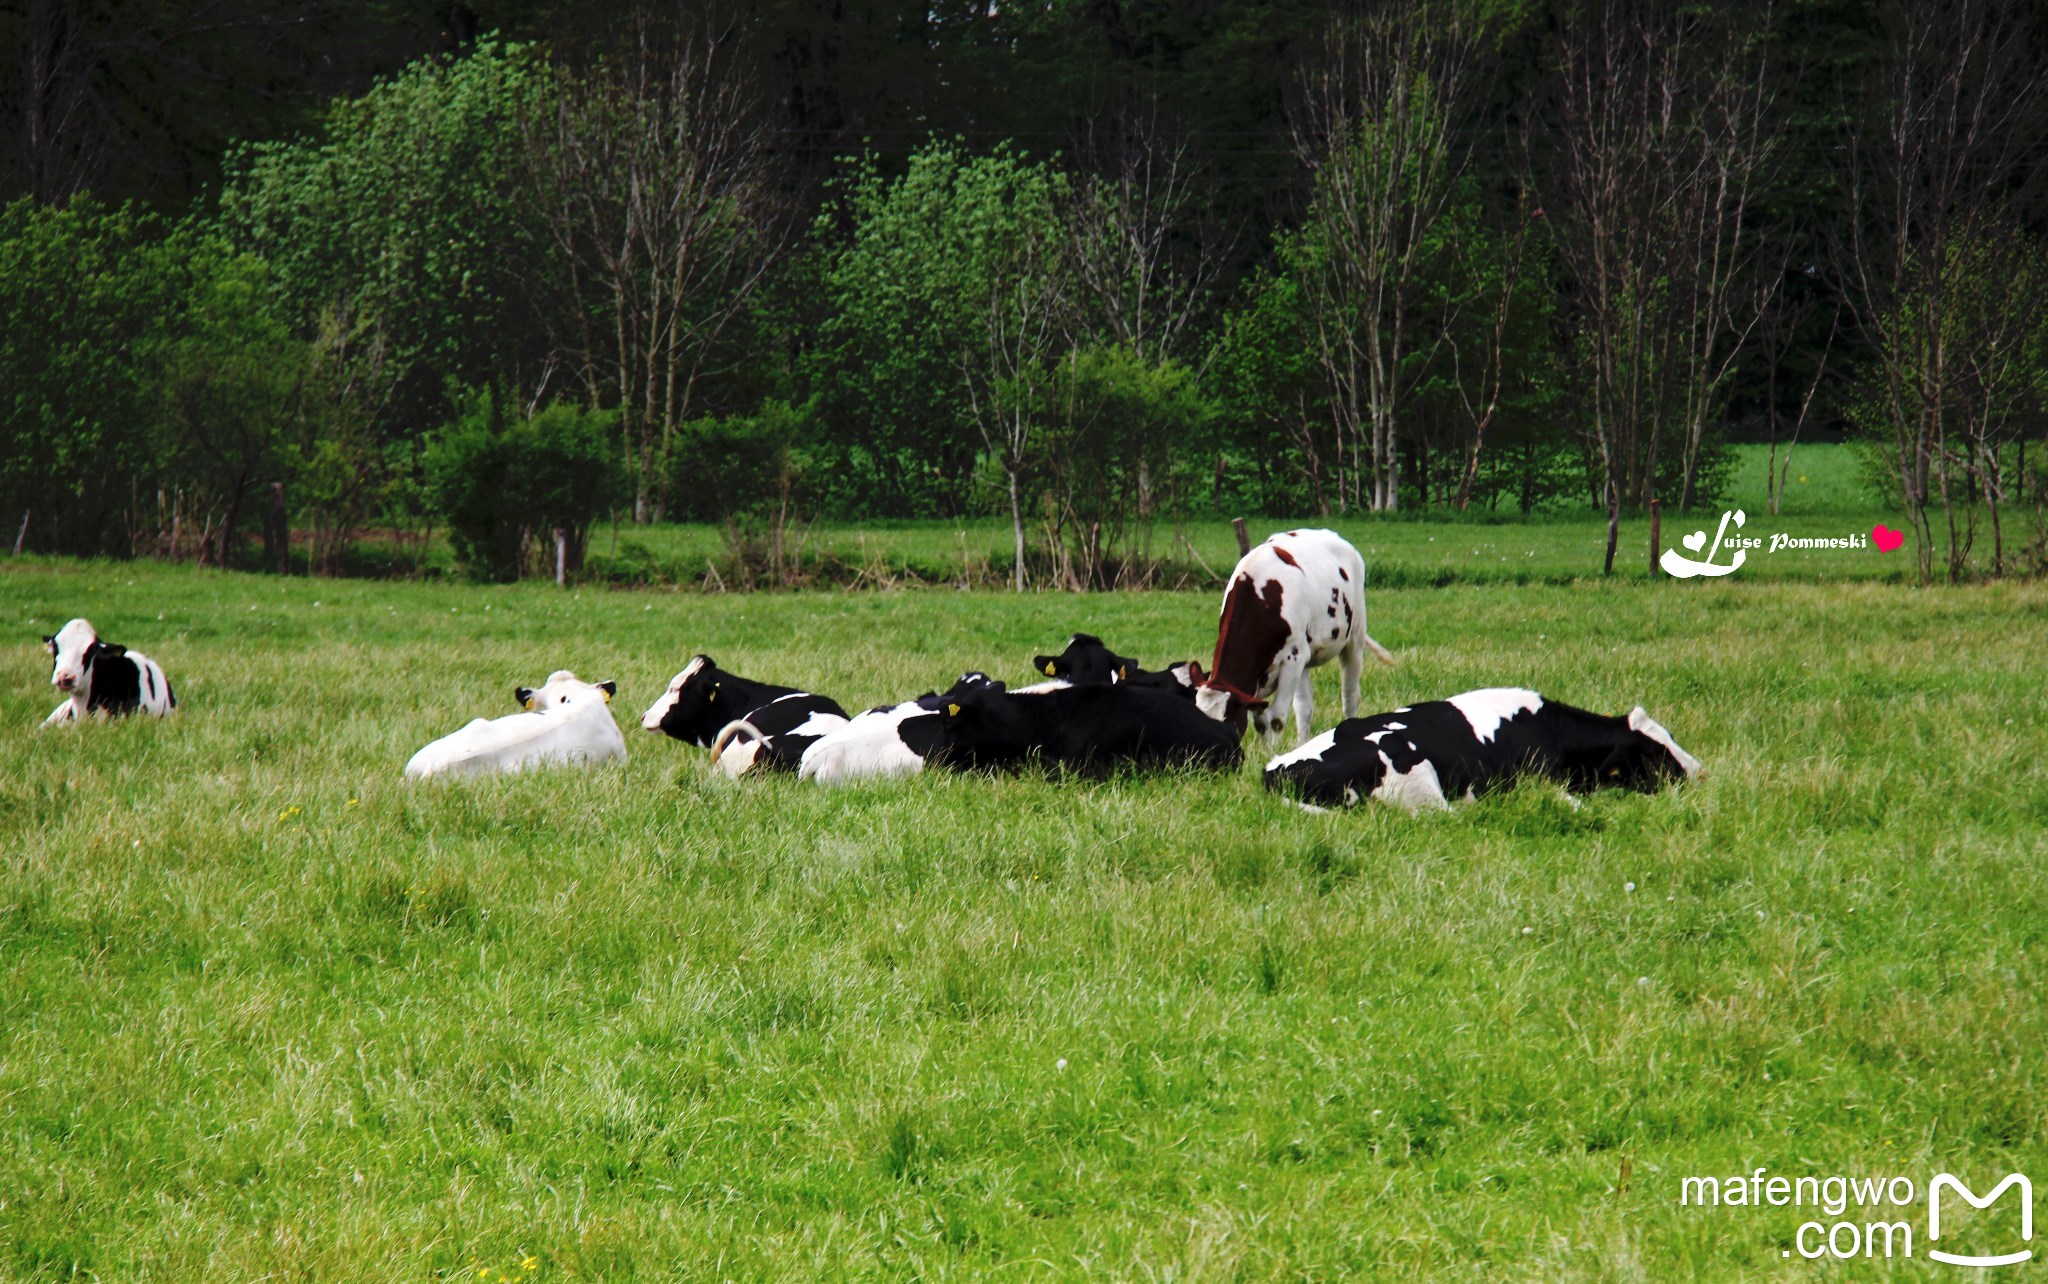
(888,740)
(704,700)
(776,736)
(1424,755)
(566,721)
(103,677)
(1088,661)
(1295,602)
(1089,729)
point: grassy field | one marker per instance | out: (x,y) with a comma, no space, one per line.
(268,1011)
(1825,496)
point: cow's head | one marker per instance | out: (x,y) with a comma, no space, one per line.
(73,649)
(690,695)
(1226,704)
(564,691)
(1087,661)
(982,726)
(1647,757)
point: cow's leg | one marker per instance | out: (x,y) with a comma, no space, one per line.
(1272,720)
(1304,703)
(63,713)
(1352,663)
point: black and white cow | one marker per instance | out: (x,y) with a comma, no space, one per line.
(704,699)
(889,739)
(776,736)
(1294,602)
(1425,755)
(1085,729)
(103,677)
(1088,661)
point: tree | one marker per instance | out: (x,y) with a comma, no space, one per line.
(1375,126)
(953,285)
(1951,125)
(657,191)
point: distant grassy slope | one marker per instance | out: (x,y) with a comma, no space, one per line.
(268,1012)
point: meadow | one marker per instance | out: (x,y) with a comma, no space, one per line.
(269,1011)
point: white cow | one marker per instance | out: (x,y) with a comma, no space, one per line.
(567,721)
(102,677)
(1294,602)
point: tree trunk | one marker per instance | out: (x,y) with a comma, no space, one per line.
(277,532)
(1613,523)
(1017,529)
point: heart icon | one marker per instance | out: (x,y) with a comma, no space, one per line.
(1695,541)
(1886,538)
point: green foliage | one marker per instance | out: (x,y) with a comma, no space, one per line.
(911,267)
(502,482)
(89,292)
(405,217)
(742,465)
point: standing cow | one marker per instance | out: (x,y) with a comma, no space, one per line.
(103,677)
(1294,602)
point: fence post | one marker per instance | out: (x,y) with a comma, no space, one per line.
(1244,541)
(21,534)
(561,558)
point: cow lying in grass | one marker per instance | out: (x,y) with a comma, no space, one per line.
(1088,661)
(888,740)
(1423,756)
(102,677)
(979,725)
(704,700)
(776,736)
(567,721)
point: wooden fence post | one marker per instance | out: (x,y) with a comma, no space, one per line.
(1244,540)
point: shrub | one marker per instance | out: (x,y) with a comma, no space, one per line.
(502,483)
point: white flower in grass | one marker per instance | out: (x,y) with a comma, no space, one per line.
(1528,931)
(1642,980)
(1628,887)
(1060,1064)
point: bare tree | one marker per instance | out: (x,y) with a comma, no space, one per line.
(1494,287)
(1934,176)
(1375,124)
(655,180)
(1661,135)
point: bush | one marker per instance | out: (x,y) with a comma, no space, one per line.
(502,483)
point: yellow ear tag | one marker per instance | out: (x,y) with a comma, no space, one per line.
(1049,669)
(953,710)
(529,703)
(713,695)
(1124,674)
(607,695)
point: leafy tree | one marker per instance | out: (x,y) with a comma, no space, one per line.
(501,482)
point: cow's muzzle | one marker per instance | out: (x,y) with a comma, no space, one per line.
(65,681)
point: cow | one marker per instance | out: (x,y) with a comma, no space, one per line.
(102,678)
(1088,661)
(566,720)
(1089,730)
(775,736)
(1422,756)
(704,700)
(887,740)
(1295,602)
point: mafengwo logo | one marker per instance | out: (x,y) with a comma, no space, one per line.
(1868,1216)
(1739,546)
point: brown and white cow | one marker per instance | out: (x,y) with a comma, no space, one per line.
(1294,602)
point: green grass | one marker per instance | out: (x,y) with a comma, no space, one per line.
(1825,496)
(269,1011)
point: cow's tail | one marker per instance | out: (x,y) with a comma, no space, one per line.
(734,730)
(1383,655)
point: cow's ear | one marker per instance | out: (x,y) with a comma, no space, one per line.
(610,689)
(1047,664)
(714,692)
(524,695)
(114,649)
(49,644)
(1195,674)
(1123,673)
